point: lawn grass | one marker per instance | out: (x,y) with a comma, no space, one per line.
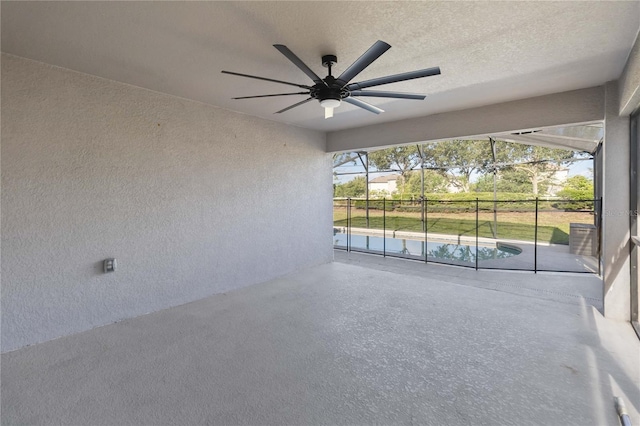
(463,227)
(553,227)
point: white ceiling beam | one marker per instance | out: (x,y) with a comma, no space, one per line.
(629,82)
(573,107)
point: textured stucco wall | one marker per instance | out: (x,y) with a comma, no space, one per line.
(615,232)
(192,200)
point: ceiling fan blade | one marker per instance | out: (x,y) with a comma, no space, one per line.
(293,106)
(364,105)
(374,52)
(298,62)
(394,78)
(267,79)
(268,96)
(379,94)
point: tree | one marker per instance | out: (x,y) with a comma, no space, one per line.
(457,159)
(344,158)
(508,180)
(433,182)
(577,188)
(355,188)
(402,158)
(537,162)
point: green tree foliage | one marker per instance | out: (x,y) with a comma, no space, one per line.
(355,188)
(537,162)
(457,160)
(521,168)
(433,182)
(401,158)
(578,188)
(579,183)
(509,180)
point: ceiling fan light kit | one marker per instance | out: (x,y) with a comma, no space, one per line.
(330,103)
(331,91)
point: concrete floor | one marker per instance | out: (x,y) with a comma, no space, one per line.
(362,340)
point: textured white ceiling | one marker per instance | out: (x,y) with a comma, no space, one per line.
(488,51)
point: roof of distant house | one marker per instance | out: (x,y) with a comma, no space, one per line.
(384,179)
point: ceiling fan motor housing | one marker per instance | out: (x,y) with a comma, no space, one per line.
(331,90)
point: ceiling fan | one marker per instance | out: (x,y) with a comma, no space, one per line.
(331,91)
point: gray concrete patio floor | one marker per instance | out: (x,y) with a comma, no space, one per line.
(362,340)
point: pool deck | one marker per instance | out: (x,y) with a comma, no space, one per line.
(362,340)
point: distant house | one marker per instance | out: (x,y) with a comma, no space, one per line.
(387,184)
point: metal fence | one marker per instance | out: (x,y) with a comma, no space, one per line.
(526,235)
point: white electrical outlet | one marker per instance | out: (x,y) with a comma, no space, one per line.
(109,265)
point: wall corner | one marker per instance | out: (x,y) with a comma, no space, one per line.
(616,187)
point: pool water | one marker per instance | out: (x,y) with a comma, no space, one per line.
(438,250)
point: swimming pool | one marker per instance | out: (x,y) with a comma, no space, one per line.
(443,251)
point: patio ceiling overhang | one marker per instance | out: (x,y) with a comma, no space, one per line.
(581,137)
